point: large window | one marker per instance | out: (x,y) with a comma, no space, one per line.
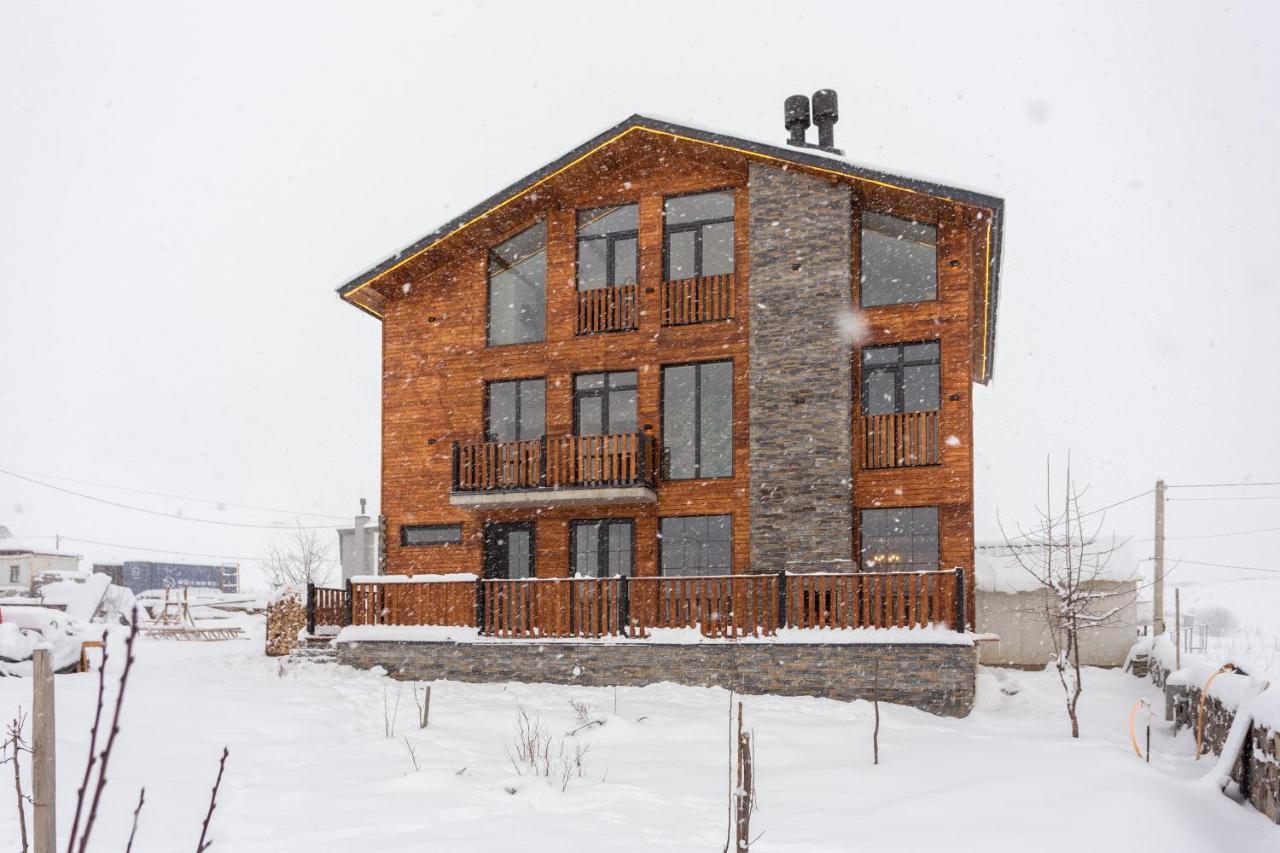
(516,410)
(698,235)
(607,239)
(430,534)
(602,547)
(901,378)
(518,288)
(903,539)
(899,260)
(697,420)
(15,574)
(697,545)
(604,403)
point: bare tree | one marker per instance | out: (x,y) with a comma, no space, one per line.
(14,746)
(301,560)
(1218,620)
(1069,564)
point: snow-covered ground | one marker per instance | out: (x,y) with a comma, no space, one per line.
(312,770)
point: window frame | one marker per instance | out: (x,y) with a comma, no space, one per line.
(406,528)
(611,239)
(697,419)
(662,542)
(488,285)
(602,545)
(603,393)
(862,258)
(937,538)
(696,227)
(898,367)
(488,431)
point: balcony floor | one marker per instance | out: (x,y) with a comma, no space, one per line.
(604,495)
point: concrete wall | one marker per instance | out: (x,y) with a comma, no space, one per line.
(801,383)
(1019,619)
(937,678)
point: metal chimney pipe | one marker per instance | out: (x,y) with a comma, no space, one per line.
(826,113)
(796,119)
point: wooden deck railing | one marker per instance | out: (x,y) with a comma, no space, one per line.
(697,300)
(326,607)
(414,603)
(900,439)
(719,606)
(556,462)
(553,607)
(608,309)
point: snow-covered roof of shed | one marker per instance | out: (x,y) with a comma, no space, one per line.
(808,157)
(997,569)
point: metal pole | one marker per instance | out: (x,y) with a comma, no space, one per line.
(1158,615)
(43,758)
(1177,626)
(311,609)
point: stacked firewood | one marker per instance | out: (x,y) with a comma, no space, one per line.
(286,618)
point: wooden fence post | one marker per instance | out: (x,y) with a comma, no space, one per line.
(43,758)
(480,605)
(349,604)
(624,605)
(959,619)
(311,609)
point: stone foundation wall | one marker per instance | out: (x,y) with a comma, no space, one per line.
(1257,769)
(934,677)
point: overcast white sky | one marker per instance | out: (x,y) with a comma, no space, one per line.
(182,186)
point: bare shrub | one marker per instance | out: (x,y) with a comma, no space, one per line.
(535,752)
(301,560)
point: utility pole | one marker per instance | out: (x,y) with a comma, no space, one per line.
(1177,626)
(1158,615)
(43,763)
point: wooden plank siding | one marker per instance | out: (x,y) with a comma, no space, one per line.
(436,360)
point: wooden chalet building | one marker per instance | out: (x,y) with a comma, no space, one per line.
(675,352)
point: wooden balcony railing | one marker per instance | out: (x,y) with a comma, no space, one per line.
(697,300)
(555,462)
(413,602)
(718,606)
(900,439)
(608,309)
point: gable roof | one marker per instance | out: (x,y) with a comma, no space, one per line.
(810,158)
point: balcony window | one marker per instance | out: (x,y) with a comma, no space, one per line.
(697,420)
(516,410)
(602,547)
(698,235)
(903,539)
(607,239)
(431,534)
(697,545)
(518,288)
(899,260)
(901,378)
(604,403)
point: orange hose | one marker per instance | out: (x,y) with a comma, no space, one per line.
(1133,738)
(1204,697)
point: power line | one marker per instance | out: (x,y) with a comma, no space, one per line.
(169,495)
(157,550)
(1231,498)
(1227,566)
(1217,485)
(1215,535)
(163,514)
(1116,504)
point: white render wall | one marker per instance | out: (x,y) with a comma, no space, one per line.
(33,566)
(1021,622)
